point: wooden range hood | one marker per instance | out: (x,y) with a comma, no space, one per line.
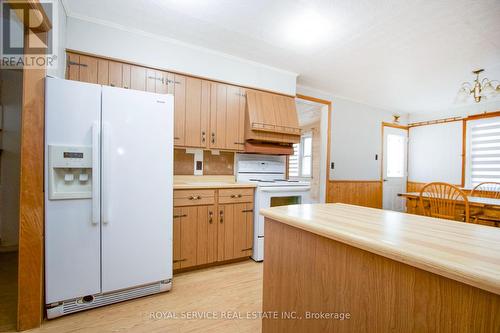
(271,123)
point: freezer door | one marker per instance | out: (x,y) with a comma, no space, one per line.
(137,177)
(72,232)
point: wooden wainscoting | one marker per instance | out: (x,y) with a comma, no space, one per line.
(414,186)
(417,186)
(366,193)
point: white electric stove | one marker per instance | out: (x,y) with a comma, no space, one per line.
(273,189)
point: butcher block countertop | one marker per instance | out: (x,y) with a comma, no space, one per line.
(464,252)
(208,182)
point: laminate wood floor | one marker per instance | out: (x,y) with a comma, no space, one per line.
(229,290)
(8,291)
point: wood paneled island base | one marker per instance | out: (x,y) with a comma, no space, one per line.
(307,273)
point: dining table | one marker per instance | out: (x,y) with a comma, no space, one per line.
(485,211)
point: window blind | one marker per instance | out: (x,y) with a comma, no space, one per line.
(293,161)
(485,151)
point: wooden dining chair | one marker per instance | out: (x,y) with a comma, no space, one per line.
(486,190)
(442,201)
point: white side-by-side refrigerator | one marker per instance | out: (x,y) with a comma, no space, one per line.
(108,195)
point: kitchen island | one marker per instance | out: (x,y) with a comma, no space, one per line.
(343,268)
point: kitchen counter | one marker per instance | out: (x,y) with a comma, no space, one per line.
(385,266)
(208,182)
(209,185)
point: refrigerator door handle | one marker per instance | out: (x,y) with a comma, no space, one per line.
(96,191)
(105,167)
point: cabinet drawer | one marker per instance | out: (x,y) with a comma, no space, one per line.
(236,195)
(193,197)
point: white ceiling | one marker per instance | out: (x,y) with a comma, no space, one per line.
(406,55)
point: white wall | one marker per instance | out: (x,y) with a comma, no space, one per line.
(11,145)
(356,136)
(435,153)
(148,49)
(457,111)
(59,26)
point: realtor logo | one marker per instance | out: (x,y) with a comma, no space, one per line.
(28,34)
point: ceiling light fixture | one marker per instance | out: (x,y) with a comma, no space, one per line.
(479,89)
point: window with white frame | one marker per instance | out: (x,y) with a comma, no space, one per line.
(300,163)
(483,151)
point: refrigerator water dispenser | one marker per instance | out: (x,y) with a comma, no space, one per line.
(70,172)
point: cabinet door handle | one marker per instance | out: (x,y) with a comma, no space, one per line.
(210,217)
(221,213)
(239,143)
(203,138)
(247,211)
(176,138)
(180,260)
(197,197)
(233,196)
(213,137)
(178,216)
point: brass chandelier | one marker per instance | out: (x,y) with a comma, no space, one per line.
(480,89)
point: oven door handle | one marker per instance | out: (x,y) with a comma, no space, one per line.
(285,189)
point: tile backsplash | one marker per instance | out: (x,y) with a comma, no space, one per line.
(213,163)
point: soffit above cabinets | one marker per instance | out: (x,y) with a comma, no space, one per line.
(404,55)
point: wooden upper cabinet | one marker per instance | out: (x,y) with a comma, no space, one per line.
(151,80)
(126,76)
(115,74)
(73,67)
(103,72)
(88,69)
(235,118)
(227,117)
(138,78)
(197,112)
(161,82)
(179,87)
(82,68)
(156,81)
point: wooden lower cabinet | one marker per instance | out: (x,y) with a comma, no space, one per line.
(195,236)
(235,234)
(205,234)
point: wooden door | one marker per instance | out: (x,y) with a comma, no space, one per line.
(126,76)
(218,109)
(197,112)
(188,236)
(151,80)
(179,109)
(103,72)
(177,238)
(88,69)
(206,244)
(116,74)
(137,78)
(235,231)
(242,230)
(73,67)
(235,117)
(221,232)
(161,82)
